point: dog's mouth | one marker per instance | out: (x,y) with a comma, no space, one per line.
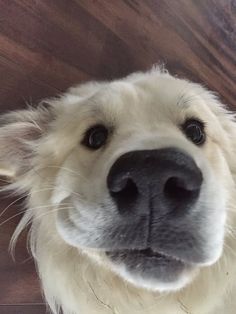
(145,254)
(149,253)
(148,265)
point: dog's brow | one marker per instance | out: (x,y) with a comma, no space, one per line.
(94,108)
(185,99)
(97,111)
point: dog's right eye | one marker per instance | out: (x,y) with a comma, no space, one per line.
(194,130)
(95,137)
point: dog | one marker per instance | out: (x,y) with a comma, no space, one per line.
(130,193)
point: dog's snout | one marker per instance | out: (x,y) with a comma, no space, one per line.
(167,180)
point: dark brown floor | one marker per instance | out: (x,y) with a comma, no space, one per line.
(46,46)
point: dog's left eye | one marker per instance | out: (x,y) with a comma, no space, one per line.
(194,130)
(95,137)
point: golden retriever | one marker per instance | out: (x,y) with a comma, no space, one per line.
(131,196)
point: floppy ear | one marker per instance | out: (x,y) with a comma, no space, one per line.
(19,132)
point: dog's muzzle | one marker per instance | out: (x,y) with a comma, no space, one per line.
(155,192)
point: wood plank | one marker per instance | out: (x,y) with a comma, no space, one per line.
(19,282)
(22,309)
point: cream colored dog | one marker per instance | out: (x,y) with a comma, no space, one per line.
(131,196)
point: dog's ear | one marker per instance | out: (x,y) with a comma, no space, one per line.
(19,133)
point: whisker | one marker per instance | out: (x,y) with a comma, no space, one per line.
(67,169)
(231,232)
(5,181)
(230,249)
(26,260)
(20,213)
(26,220)
(39,207)
(46,206)
(50,212)
(22,197)
(37,191)
(10,218)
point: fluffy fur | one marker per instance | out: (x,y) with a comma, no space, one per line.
(41,151)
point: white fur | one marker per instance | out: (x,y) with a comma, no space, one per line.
(41,151)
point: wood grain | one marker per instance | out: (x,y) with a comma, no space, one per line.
(22,309)
(19,283)
(47,46)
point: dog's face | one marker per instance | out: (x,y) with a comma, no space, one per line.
(145,175)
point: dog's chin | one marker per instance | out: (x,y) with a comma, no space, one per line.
(152,270)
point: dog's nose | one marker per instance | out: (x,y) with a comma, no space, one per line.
(166,180)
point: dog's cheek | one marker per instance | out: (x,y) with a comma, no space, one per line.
(216,158)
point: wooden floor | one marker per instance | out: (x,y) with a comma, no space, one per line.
(47,46)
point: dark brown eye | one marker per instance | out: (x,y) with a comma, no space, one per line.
(95,137)
(194,130)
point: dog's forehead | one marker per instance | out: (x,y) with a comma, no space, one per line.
(150,91)
(143,101)
(148,96)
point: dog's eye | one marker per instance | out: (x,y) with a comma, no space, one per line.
(95,137)
(194,130)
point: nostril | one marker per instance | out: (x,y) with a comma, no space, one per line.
(125,191)
(179,190)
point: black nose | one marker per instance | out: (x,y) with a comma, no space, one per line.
(166,180)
